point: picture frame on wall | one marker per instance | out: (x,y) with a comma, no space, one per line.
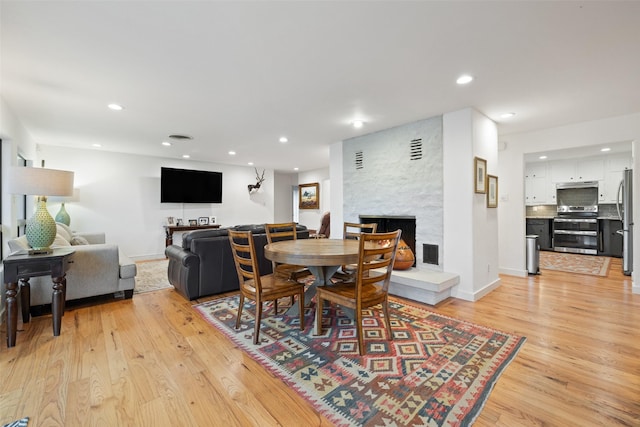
(480,176)
(309,196)
(492,191)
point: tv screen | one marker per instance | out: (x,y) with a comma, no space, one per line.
(190,186)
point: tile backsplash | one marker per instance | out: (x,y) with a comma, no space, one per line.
(604,210)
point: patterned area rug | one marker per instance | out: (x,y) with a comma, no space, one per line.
(437,370)
(24,422)
(575,263)
(151,276)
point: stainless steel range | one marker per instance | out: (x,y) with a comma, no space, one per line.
(575,229)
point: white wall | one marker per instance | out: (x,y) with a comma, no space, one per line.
(283,196)
(511,207)
(120,194)
(312,217)
(470,228)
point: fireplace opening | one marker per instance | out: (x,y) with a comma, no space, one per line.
(388,223)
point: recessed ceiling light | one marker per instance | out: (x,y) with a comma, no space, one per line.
(186,156)
(605,149)
(295,169)
(115,107)
(284,139)
(464,79)
(250,163)
(166,143)
(96,145)
(542,157)
(507,115)
(232,153)
(357,124)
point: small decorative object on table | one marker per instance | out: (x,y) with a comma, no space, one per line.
(170,220)
(203,220)
(179,222)
(193,222)
(213,220)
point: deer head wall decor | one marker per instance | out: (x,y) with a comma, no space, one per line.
(259,181)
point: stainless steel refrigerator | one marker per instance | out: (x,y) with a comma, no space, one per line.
(625,211)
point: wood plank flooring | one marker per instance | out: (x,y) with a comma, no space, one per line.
(152,361)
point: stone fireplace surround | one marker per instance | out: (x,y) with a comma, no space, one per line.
(398,173)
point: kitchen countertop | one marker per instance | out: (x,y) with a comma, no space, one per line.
(612,218)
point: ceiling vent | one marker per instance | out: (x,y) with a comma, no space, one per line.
(180,137)
(359,160)
(416,149)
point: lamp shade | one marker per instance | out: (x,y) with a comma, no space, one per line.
(40,181)
(41,227)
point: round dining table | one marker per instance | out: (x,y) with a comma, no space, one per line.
(323,257)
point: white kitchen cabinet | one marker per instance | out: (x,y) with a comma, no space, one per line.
(535,181)
(609,187)
(563,170)
(535,191)
(535,170)
(590,169)
(618,162)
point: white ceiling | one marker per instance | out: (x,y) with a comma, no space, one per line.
(239,75)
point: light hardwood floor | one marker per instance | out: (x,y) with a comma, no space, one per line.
(152,361)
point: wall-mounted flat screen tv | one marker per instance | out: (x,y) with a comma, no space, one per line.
(190,186)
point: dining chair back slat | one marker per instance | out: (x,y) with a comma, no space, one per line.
(377,252)
(259,288)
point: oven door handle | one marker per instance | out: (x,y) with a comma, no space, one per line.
(576,233)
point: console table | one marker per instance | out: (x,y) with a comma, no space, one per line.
(170,229)
(18,269)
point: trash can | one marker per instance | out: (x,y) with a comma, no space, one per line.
(533,254)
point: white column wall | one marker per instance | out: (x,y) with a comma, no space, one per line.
(470,228)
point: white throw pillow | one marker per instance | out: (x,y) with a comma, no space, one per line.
(60,241)
(64,231)
(78,240)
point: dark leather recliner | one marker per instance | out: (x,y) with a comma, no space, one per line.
(204,264)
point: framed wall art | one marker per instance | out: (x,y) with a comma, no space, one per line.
(492,191)
(480,176)
(309,196)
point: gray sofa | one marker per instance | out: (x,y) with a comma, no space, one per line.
(204,264)
(98,268)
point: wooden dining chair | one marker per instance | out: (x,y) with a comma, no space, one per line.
(259,288)
(285,231)
(352,230)
(375,263)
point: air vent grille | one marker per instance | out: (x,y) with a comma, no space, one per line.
(416,149)
(359,160)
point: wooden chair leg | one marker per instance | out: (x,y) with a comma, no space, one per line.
(319,305)
(256,331)
(359,332)
(301,301)
(240,307)
(387,319)
(275,306)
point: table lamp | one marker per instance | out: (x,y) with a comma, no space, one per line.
(41,227)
